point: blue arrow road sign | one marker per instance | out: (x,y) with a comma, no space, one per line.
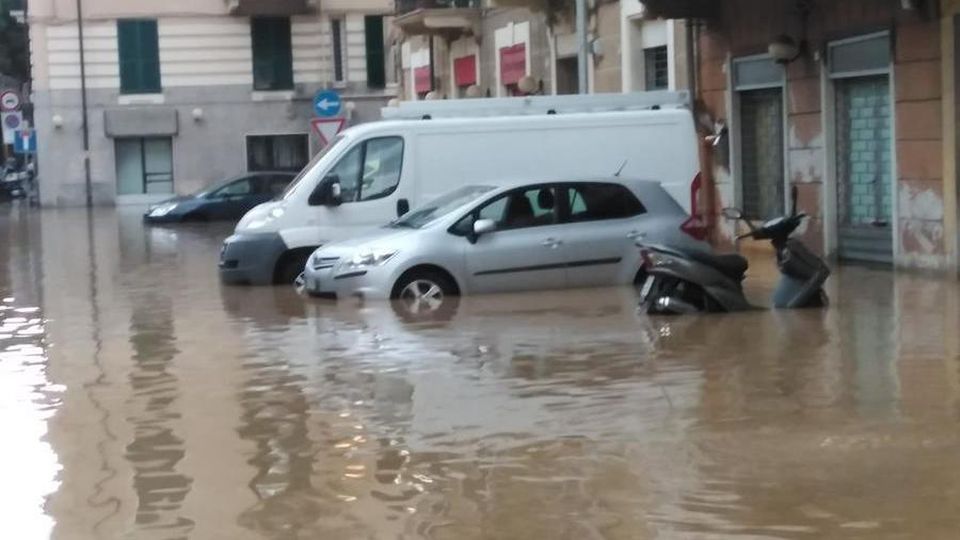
(327,103)
(25,141)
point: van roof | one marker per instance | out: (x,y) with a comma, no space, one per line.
(441,124)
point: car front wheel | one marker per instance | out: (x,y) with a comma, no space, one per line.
(424,295)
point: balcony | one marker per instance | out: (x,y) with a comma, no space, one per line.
(449,18)
(261,8)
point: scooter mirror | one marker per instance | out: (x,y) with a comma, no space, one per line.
(732,213)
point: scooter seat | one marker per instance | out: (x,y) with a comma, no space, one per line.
(731,264)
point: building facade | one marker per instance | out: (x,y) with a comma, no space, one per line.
(843,101)
(181,93)
(499,48)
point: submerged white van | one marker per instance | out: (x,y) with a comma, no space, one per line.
(373,172)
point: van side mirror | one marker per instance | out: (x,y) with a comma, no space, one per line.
(328,193)
(403,206)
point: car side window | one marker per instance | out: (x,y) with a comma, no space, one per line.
(240,187)
(371,170)
(275,184)
(593,202)
(531,207)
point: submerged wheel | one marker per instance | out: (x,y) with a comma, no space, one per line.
(290,267)
(689,294)
(424,295)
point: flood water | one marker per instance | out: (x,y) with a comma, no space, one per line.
(139,399)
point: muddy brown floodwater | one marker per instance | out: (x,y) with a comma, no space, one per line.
(139,399)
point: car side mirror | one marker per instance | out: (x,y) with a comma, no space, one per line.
(484,226)
(732,213)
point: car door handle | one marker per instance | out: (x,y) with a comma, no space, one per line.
(551,243)
(636,235)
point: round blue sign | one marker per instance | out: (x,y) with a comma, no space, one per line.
(327,103)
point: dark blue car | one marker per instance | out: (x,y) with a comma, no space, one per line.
(227,200)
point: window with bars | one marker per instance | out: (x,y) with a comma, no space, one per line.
(657,74)
(272,53)
(139,56)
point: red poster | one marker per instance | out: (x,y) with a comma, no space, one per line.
(421,79)
(465,70)
(513,63)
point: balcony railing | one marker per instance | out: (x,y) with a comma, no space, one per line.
(406,6)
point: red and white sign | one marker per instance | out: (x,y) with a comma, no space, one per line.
(421,79)
(9,101)
(327,128)
(465,70)
(513,63)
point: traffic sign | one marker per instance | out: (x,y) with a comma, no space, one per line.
(11,121)
(327,103)
(9,101)
(327,128)
(25,142)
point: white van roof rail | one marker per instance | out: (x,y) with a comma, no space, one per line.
(532,105)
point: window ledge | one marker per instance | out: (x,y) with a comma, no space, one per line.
(141,99)
(273,95)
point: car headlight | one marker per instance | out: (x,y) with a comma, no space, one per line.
(370,257)
(162,210)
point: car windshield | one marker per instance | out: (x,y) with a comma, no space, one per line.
(311,170)
(440,207)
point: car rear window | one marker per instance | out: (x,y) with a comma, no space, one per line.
(599,201)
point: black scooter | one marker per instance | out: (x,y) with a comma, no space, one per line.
(680,281)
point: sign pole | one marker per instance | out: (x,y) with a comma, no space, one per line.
(87,182)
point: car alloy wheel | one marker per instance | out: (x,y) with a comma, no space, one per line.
(422,296)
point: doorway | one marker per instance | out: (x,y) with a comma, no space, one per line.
(863,160)
(761,144)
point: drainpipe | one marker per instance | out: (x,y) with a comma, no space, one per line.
(433,83)
(582,46)
(88,185)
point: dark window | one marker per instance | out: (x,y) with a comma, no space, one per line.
(272,53)
(528,207)
(592,202)
(656,68)
(336,29)
(277,152)
(567,82)
(376,67)
(370,170)
(139,56)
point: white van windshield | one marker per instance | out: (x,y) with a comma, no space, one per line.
(310,172)
(440,207)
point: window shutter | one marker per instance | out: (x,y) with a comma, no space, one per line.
(376,70)
(272,54)
(139,56)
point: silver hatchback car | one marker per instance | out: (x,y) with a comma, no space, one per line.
(506,237)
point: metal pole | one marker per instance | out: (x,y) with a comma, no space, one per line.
(582,46)
(88,186)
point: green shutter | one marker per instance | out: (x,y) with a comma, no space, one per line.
(139,56)
(376,69)
(272,53)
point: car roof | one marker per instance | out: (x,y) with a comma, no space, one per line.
(516,182)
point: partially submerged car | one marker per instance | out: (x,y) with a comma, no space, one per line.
(515,236)
(227,200)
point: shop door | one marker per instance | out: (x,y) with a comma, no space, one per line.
(864,184)
(761,139)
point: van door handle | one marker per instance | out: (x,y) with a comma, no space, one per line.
(551,243)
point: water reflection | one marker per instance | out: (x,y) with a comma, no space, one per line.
(143,399)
